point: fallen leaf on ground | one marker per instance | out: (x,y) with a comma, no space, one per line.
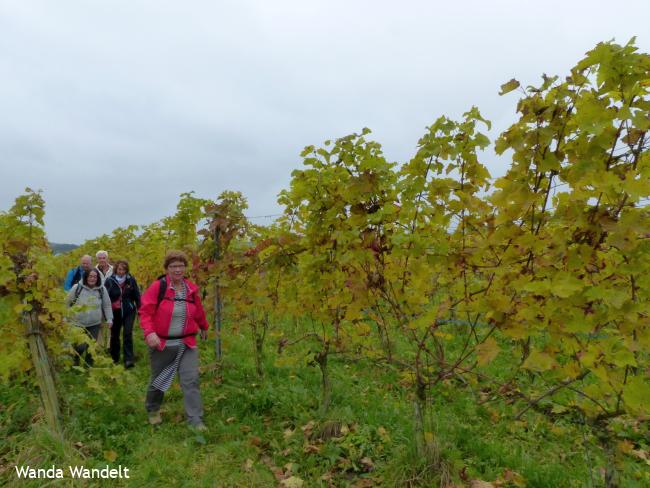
(363,483)
(307,428)
(368,464)
(311,449)
(641,454)
(292,482)
(480,484)
(625,446)
(514,478)
(110,456)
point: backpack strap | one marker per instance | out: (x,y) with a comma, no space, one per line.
(162,289)
(77,292)
(100,290)
(77,276)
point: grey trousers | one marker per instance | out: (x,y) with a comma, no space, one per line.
(188,372)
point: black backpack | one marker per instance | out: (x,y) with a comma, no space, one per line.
(163,289)
(77,276)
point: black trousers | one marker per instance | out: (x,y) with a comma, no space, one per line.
(120,324)
(82,349)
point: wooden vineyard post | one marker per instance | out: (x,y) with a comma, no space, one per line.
(43,369)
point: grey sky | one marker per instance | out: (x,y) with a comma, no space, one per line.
(114,108)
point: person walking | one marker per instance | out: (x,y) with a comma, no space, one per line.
(171,315)
(76,274)
(103,266)
(105,270)
(125,301)
(95,309)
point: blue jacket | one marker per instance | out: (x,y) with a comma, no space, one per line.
(74,276)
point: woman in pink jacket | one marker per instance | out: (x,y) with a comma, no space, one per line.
(171,315)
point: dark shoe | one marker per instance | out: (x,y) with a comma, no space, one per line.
(155,418)
(129,365)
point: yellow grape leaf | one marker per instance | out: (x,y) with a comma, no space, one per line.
(480,484)
(539,361)
(514,478)
(443,335)
(487,351)
(641,454)
(559,408)
(625,446)
(636,395)
(565,285)
(292,482)
(110,456)
(622,358)
(362,483)
(368,463)
(558,430)
(509,86)
(308,427)
(311,449)
(383,433)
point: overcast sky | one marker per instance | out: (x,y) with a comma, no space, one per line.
(114,108)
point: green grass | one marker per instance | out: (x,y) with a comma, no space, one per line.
(262,428)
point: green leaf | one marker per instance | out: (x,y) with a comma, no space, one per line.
(487,351)
(565,285)
(636,395)
(539,361)
(509,86)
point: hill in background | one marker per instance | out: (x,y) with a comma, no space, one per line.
(62,248)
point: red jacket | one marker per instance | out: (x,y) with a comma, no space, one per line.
(157,318)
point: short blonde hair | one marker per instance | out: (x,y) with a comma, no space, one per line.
(175,256)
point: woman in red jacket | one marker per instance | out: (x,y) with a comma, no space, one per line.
(171,315)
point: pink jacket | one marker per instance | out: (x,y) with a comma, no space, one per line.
(157,318)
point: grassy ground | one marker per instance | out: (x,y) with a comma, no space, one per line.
(267,432)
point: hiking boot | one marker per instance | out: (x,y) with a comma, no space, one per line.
(129,365)
(200,427)
(155,418)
